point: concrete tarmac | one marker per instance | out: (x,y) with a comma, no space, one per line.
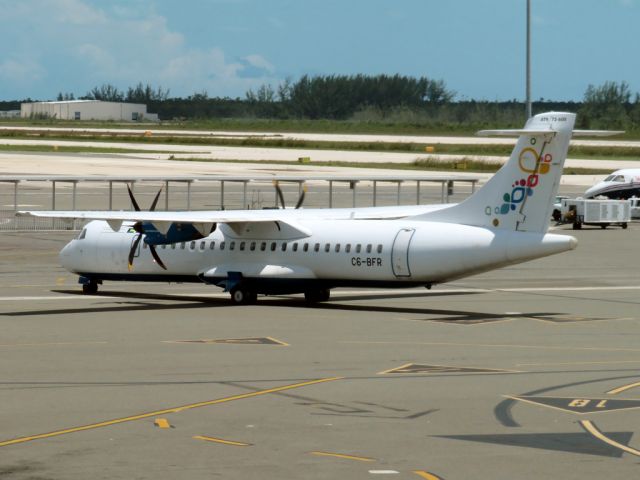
(527,372)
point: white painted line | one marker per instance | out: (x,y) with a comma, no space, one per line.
(384,472)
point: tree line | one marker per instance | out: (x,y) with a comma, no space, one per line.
(372,98)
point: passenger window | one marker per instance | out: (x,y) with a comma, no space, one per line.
(182,245)
(316,247)
(173,246)
(380,248)
(163,246)
(221,245)
(232,245)
(263,246)
(242,245)
(295,247)
(369,248)
(347,248)
(337,247)
(273,246)
(212,246)
(192,246)
(327,247)
(252,246)
(284,246)
(306,247)
(358,248)
(202,245)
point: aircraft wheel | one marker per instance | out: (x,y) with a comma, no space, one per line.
(624,225)
(242,296)
(603,226)
(90,288)
(315,296)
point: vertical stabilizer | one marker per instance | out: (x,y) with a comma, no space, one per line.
(520,195)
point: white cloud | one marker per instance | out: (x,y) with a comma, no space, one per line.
(22,71)
(82,46)
(259,62)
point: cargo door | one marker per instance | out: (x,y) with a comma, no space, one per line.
(400,253)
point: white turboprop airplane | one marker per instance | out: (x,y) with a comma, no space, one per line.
(311,251)
(621,184)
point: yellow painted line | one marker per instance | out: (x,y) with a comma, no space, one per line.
(624,388)
(132,418)
(162,423)
(220,440)
(391,370)
(427,475)
(284,344)
(593,430)
(341,455)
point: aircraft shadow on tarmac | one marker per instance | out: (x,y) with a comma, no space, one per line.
(136,301)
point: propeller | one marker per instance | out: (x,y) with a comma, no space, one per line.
(281,195)
(139,228)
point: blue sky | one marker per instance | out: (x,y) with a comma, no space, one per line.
(225,47)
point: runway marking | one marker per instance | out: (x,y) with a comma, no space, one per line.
(384,472)
(220,440)
(342,455)
(579,405)
(413,368)
(48,344)
(355,292)
(236,341)
(156,413)
(623,388)
(427,475)
(591,428)
(162,423)
(490,345)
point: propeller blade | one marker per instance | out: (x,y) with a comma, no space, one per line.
(156,257)
(132,252)
(302,194)
(136,207)
(279,192)
(155,200)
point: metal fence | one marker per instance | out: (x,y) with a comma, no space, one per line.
(32,192)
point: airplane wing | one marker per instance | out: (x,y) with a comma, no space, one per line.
(202,220)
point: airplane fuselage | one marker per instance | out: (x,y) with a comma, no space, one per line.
(392,253)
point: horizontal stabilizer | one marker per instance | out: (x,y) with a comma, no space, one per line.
(597,133)
(514,133)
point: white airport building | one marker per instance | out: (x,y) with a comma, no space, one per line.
(88,110)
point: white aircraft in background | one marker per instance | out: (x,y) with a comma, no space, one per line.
(311,251)
(621,184)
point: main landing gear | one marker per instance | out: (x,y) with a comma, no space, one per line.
(89,285)
(243,296)
(316,296)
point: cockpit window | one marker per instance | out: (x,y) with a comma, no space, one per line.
(609,178)
(83,234)
(618,178)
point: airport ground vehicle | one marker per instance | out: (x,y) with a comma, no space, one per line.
(602,212)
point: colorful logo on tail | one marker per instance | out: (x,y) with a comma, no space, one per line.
(532,166)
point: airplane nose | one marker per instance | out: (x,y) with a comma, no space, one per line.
(65,255)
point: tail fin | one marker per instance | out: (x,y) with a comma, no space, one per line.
(520,195)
